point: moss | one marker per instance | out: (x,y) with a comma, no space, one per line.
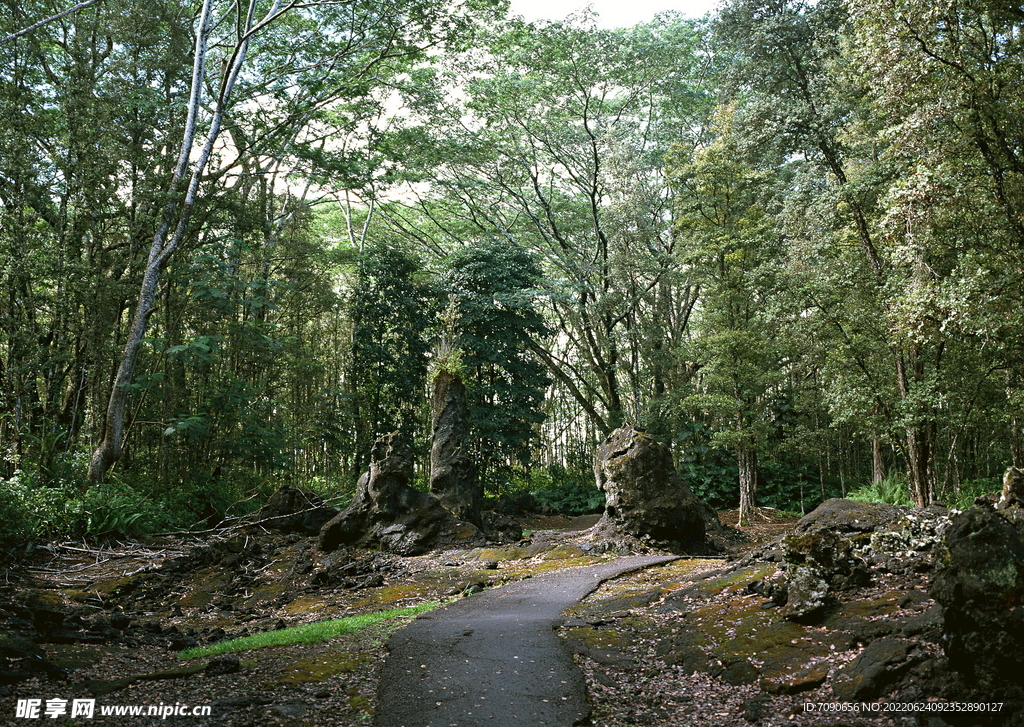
(76,596)
(44,599)
(594,637)
(391,595)
(735,580)
(564,552)
(116,586)
(268,593)
(321,667)
(305,604)
(359,704)
(203,587)
(499,554)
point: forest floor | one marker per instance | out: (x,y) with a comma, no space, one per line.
(671,646)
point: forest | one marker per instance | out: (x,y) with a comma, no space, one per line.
(239,242)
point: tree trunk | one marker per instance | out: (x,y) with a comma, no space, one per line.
(746,458)
(919,467)
(177,212)
(877,461)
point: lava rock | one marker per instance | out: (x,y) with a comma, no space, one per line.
(453,478)
(223,665)
(848,516)
(388,514)
(980,583)
(644,494)
(818,562)
(882,663)
(1013,489)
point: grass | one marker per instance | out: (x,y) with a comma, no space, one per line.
(306,634)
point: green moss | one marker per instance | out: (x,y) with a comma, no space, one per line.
(204,586)
(594,637)
(115,586)
(392,595)
(320,667)
(305,604)
(564,552)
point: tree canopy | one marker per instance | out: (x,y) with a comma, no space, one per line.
(786,238)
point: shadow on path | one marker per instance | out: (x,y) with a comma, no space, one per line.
(494,659)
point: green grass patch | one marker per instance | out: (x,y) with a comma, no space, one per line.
(308,633)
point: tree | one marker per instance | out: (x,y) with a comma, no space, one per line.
(282,82)
(732,250)
(556,147)
(494,286)
(390,311)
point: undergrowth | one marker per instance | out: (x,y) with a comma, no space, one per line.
(892,490)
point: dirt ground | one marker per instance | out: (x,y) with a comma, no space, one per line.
(660,648)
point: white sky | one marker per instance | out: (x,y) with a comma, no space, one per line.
(613,13)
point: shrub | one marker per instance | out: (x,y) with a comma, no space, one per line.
(33,511)
(892,490)
(553,489)
(963,498)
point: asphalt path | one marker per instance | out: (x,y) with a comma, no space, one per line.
(494,659)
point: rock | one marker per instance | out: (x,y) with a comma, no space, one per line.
(800,679)
(501,528)
(367,571)
(1013,489)
(289,711)
(878,667)
(848,516)
(452,471)
(757,708)
(20,648)
(680,650)
(28,667)
(291,510)
(818,561)
(388,514)
(740,673)
(223,665)
(980,583)
(774,587)
(644,494)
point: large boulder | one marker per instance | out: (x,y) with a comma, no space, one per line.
(980,582)
(644,494)
(849,516)
(386,513)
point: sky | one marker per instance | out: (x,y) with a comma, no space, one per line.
(613,13)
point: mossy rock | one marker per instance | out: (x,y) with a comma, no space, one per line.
(203,587)
(268,593)
(595,637)
(320,668)
(392,595)
(117,586)
(78,596)
(499,554)
(564,552)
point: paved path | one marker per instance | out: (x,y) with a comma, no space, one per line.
(494,659)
